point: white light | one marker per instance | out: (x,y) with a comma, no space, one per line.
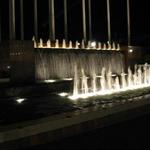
(63,94)
(49,81)
(20,100)
(93,44)
(8,67)
(67,79)
(130,50)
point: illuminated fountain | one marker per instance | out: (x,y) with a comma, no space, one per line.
(48,44)
(130,77)
(94,72)
(109,46)
(70,45)
(90,45)
(116,84)
(57,43)
(103,80)
(84,83)
(56,64)
(113,46)
(83,44)
(93,45)
(108,83)
(99,46)
(77,45)
(94,82)
(64,43)
(51,64)
(118,47)
(109,79)
(41,43)
(34,41)
(123,80)
(104,47)
(75,91)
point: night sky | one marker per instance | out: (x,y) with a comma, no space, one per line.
(140,26)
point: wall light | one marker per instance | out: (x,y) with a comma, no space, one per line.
(130,50)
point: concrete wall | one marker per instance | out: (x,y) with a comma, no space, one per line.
(22,61)
(17,60)
(4,60)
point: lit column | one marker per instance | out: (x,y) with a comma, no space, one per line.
(21,20)
(35,20)
(65,20)
(12,31)
(128,23)
(84,20)
(51,20)
(108,21)
(90,20)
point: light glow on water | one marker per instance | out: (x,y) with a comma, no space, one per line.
(20,100)
(63,94)
(67,79)
(50,81)
(105,92)
(107,83)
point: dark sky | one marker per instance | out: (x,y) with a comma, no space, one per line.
(140,25)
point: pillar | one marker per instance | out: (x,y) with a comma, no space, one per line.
(51,20)
(90,20)
(35,20)
(65,20)
(21,20)
(84,20)
(108,21)
(12,32)
(128,23)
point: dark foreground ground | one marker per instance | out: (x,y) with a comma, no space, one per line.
(133,134)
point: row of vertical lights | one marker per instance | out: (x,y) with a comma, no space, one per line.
(76,45)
